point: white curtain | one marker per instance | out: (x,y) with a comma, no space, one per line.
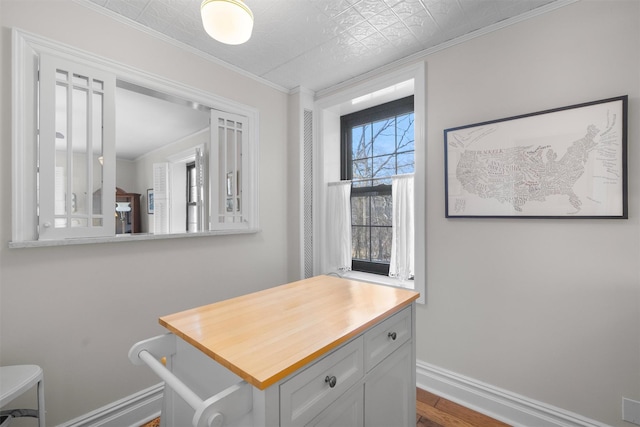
(402,245)
(339,226)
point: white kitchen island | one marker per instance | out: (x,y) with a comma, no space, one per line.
(323,351)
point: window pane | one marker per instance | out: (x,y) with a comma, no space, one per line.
(360,212)
(405,134)
(238,166)
(384,166)
(97,142)
(381,244)
(80,80)
(360,243)
(60,205)
(78,167)
(192,221)
(361,142)
(405,163)
(381,210)
(192,196)
(60,188)
(222,171)
(357,141)
(231,167)
(80,222)
(384,137)
(62,75)
(361,169)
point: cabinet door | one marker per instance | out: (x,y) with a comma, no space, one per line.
(389,394)
(307,393)
(346,411)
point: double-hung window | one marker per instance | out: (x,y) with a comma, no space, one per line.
(377,143)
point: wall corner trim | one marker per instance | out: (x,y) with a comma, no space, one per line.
(497,403)
(133,410)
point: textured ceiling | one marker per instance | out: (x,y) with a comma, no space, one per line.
(317,44)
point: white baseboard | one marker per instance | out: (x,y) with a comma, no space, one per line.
(503,405)
(499,404)
(132,411)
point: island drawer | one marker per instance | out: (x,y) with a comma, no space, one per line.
(306,394)
(384,338)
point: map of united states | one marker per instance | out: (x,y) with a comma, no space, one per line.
(519,175)
(567,162)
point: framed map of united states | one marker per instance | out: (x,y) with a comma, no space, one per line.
(569,162)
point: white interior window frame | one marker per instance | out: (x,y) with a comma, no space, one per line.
(178,182)
(26,48)
(326,161)
(219,219)
(50,66)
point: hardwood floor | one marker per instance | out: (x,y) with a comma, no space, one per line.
(434,411)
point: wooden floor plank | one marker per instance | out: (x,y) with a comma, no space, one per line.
(426,397)
(424,422)
(475,418)
(436,415)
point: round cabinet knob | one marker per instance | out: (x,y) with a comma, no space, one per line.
(331,380)
(392,335)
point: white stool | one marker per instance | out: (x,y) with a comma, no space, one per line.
(14,381)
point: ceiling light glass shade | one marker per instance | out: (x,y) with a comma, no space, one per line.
(228,21)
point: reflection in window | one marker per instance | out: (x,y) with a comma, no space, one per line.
(66,153)
(192,198)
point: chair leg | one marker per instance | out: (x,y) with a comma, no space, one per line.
(41,420)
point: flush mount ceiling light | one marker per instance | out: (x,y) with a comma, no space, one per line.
(228,21)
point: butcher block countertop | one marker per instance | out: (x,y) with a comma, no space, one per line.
(265,336)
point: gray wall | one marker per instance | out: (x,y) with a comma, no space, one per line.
(549,309)
(77,310)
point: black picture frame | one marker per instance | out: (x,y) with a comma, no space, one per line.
(150,201)
(568,162)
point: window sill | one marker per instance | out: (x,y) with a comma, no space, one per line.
(378,279)
(120,238)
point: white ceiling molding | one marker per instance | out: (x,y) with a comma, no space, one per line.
(324,45)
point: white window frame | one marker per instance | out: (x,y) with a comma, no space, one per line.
(26,47)
(239,218)
(178,180)
(326,164)
(47,181)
